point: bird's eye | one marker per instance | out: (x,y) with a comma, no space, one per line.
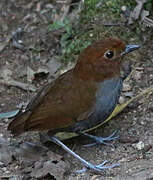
(109,54)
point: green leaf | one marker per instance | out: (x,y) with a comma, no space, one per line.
(56,25)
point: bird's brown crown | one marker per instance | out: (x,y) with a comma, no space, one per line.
(100,60)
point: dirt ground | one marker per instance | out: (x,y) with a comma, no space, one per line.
(26,157)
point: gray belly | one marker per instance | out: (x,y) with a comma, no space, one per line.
(106,99)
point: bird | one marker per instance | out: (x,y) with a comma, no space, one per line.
(80,98)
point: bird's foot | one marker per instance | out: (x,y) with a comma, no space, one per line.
(102,140)
(88,166)
(96,168)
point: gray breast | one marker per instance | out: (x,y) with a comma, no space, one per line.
(106,99)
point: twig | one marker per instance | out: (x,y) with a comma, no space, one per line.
(24,86)
(148,22)
(107,24)
(65,9)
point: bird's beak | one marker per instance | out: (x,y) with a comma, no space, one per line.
(130,48)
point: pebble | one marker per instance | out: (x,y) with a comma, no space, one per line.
(137,75)
(121,100)
(126,87)
(140,145)
(129,94)
(4,169)
(2,164)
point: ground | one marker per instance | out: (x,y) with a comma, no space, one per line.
(37,59)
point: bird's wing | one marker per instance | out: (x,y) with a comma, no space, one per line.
(57,105)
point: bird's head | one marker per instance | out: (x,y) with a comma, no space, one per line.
(103,59)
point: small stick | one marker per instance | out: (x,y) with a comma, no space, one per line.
(24,86)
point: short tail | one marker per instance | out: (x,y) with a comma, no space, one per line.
(17,125)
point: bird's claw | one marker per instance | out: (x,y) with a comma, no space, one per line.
(102,140)
(97,168)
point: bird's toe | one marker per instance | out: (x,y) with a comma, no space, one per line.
(97,168)
(104,140)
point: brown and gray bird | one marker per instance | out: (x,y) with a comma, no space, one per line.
(81,98)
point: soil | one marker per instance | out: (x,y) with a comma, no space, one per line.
(26,157)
